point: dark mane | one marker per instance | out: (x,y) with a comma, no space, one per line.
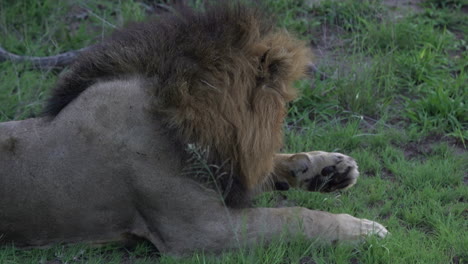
(178,44)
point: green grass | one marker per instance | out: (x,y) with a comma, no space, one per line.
(396,100)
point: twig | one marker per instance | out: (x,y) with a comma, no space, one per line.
(50,62)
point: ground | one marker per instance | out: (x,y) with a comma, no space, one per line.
(391,91)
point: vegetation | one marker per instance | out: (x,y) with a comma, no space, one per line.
(394,97)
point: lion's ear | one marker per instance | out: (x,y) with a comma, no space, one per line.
(259,50)
(267,65)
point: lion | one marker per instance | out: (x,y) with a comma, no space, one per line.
(109,159)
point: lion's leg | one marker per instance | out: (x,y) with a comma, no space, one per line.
(255,224)
(268,223)
(216,228)
(316,171)
(179,216)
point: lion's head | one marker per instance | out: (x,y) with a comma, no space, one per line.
(236,83)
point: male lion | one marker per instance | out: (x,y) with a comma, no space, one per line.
(109,159)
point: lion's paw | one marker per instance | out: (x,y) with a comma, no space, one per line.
(326,171)
(373,228)
(352,228)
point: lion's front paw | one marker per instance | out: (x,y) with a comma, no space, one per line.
(326,171)
(352,228)
(340,227)
(373,228)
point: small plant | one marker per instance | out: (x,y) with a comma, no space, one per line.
(350,15)
(440,110)
(445,3)
(452,19)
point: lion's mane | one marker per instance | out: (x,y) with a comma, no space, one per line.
(221,78)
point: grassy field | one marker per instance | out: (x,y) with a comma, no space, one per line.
(392,92)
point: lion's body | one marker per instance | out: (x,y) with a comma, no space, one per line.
(110,161)
(85,178)
(76,172)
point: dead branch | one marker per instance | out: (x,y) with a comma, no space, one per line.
(45,63)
